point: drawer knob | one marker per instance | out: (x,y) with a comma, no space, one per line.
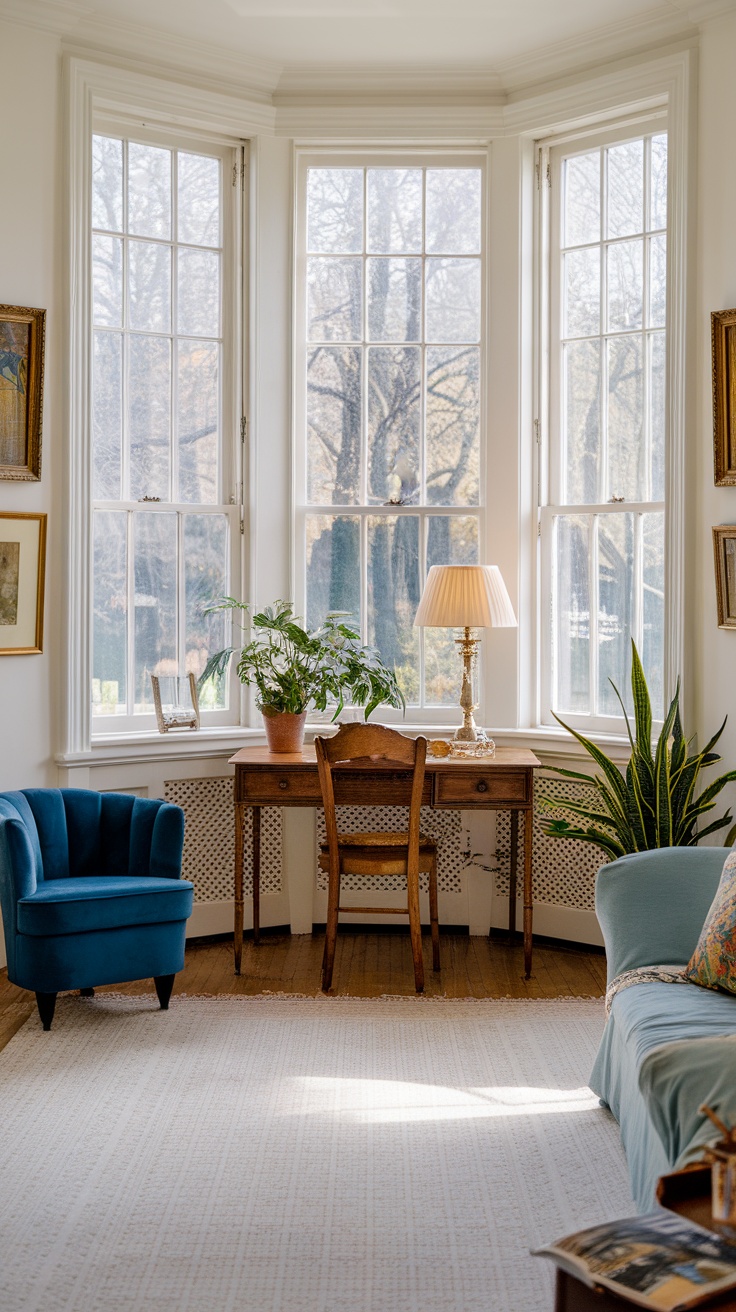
(481,786)
(283,783)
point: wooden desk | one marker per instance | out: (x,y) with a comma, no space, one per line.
(504,782)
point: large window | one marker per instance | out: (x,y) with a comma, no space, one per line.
(390,321)
(165,522)
(602,531)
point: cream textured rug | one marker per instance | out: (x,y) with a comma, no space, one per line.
(285,1155)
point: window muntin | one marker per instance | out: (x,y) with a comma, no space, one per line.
(163,534)
(391,358)
(603,533)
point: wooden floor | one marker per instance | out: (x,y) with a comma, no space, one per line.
(366,965)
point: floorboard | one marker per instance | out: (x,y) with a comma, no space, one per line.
(366,965)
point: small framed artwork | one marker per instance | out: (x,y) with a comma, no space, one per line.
(22,572)
(21,391)
(724,547)
(723,339)
(176,702)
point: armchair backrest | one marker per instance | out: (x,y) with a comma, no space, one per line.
(81,832)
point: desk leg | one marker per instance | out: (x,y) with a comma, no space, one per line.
(239,859)
(512,874)
(256,874)
(528,902)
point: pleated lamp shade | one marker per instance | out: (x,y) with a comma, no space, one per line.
(465,596)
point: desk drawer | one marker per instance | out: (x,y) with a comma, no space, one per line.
(277,788)
(494,787)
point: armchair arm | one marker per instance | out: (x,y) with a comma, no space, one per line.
(167,842)
(651,905)
(17,861)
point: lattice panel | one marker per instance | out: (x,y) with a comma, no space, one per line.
(564,871)
(209,839)
(443,827)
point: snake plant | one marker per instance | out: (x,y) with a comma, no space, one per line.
(656,803)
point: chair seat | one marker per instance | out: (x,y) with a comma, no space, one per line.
(382,838)
(377,854)
(95,902)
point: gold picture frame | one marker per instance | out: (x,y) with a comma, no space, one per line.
(22,339)
(723,344)
(724,550)
(22,574)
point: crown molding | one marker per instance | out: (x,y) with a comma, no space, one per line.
(163,52)
(54,16)
(442,124)
(315,85)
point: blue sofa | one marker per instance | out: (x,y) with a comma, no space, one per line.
(667,1047)
(91,891)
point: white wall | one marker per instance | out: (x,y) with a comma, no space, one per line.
(714,649)
(30,274)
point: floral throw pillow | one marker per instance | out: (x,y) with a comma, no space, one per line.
(713,963)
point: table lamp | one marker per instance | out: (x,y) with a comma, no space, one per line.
(465,597)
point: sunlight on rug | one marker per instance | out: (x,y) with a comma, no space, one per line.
(281,1155)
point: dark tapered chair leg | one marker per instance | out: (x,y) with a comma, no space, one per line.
(164,985)
(86,993)
(46,1004)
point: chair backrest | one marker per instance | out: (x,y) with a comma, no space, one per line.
(371,743)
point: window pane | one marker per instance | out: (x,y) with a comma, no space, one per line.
(198,420)
(453,300)
(582,203)
(107,415)
(393,596)
(149,191)
(657,413)
(334,424)
(395,300)
(626,448)
(107,281)
(571,638)
(394,210)
(657,281)
(451,540)
(653,606)
(615,609)
(394,416)
(335,210)
(333,567)
(334,300)
(581,422)
(658,183)
(625,189)
(453,426)
(155,602)
(199,199)
(199,293)
(582,295)
(107,184)
(149,275)
(453,211)
(110,622)
(149,416)
(625,285)
(205,581)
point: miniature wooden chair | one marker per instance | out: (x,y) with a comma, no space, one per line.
(379,853)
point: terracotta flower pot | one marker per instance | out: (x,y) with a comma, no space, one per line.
(284,729)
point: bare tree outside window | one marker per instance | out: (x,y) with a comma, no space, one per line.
(393,377)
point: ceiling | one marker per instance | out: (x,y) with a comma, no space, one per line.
(499,37)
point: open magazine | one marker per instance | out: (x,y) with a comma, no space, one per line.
(655,1261)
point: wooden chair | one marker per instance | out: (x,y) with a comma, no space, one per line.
(379,853)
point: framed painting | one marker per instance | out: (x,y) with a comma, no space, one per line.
(724,547)
(22,572)
(21,391)
(723,341)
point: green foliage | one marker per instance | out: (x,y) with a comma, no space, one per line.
(292,668)
(654,804)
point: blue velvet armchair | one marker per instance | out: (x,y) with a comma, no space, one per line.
(91,891)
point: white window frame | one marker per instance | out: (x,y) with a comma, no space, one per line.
(547,400)
(360,157)
(230,502)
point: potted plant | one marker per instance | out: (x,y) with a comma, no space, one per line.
(293,668)
(654,804)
